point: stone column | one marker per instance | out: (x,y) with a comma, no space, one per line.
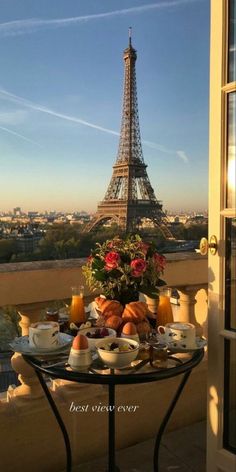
(30,385)
(187,303)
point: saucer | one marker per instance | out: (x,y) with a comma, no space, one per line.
(179,346)
(22,346)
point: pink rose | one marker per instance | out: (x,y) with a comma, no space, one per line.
(159,260)
(138,267)
(112,260)
(144,247)
(90,260)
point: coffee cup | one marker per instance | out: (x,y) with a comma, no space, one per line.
(183,334)
(44,335)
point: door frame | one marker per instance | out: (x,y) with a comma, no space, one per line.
(218,458)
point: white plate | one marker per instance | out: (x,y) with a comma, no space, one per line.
(21,345)
(177,346)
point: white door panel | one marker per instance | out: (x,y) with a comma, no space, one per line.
(221,444)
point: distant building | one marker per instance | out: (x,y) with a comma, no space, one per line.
(32,214)
(197,220)
(17,211)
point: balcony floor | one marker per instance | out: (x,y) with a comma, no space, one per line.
(181,451)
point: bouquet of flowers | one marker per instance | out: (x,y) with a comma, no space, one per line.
(121,268)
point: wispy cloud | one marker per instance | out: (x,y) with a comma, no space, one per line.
(32,25)
(159,147)
(182,155)
(14,117)
(21,136)
(34,106)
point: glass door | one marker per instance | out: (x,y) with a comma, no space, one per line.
(221,447)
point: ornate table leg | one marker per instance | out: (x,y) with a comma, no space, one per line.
(59,420)
(166,419)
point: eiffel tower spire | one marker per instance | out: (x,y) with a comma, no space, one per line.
(130,196)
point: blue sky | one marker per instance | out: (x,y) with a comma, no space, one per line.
(61,90)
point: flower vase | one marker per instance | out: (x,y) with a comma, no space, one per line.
(126,296)
(152,304)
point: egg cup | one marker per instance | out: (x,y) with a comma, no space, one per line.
(135,337)
(80,359)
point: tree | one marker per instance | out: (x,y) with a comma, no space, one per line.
(7,249)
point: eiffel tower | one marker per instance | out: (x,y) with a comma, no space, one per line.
(130,196)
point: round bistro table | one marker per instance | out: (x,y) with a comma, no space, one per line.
(143,371)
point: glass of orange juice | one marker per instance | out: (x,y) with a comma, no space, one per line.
(164,311)
(77,311)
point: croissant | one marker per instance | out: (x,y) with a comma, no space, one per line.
(143,327)
(135,311)
(109,307)
(113,322)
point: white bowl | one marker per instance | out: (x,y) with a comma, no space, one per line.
(114,359)
(92,341)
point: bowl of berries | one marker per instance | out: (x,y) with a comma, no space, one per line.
(95,334)
(117,353)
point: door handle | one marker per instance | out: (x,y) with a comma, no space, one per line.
(212,246)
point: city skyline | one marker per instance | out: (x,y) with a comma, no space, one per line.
(24,211)
(60,113)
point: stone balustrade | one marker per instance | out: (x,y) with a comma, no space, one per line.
(31,286)
(30,283)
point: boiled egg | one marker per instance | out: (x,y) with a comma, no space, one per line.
(129,329)
(80,342)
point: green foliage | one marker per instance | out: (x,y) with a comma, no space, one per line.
(9,326)
(192,232)
(196,232)
(64,241)
(7,249)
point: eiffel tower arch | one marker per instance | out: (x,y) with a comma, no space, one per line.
(130,196)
